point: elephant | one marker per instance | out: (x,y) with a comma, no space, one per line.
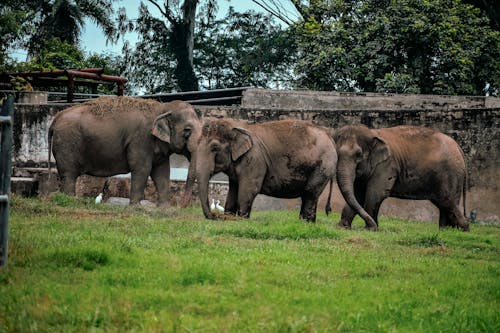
(405,162)
(115,135)
(285,159)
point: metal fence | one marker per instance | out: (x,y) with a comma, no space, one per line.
(228,96)
(6,121)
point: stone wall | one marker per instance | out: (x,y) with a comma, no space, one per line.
(473,122)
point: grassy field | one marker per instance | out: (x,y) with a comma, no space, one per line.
(74,266)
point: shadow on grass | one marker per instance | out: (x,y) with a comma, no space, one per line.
(87,259)
(278,231)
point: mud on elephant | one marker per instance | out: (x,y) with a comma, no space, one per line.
(114,135)
(285,159)
(404,162)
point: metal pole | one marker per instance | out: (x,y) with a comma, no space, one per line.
(6,122)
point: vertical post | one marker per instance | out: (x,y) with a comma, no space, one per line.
(71,88)
(120,88)
(6,121)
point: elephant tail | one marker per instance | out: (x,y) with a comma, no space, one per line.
(464,192)
(328,207)
(464,185)
(51,134)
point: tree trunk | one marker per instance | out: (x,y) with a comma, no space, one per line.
(182,43)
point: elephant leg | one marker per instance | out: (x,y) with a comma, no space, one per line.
(451,216)
(377,190)
(138,183)
(443,218)
(231,205)
(68,183)
(315,185)
(458,219)
(161,177)
(247,191)
(308,207)
(347,216)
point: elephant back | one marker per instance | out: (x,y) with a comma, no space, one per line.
(112,106)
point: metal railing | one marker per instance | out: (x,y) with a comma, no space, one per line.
(228,96)
(6,121)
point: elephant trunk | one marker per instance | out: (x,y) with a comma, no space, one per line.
(203,173)
(346,172)
(191,178)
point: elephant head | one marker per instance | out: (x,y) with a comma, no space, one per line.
(179,126)
(221,145)
(359,151)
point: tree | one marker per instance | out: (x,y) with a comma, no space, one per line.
(240,49)
(244,49)
(12,15)
(431,47)
(64,19)
(176,29)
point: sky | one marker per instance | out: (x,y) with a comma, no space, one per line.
(93,40)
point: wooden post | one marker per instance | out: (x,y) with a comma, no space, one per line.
(6,121)
(120,88)
(71,88)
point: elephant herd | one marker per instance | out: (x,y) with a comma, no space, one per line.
(284,159)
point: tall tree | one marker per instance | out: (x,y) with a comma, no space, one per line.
(432,47)
(244,49)
(64,19)
(178,22)
(238,50)
(12,16)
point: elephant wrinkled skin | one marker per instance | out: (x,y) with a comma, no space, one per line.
(115,135)
(285,159)
(404,162)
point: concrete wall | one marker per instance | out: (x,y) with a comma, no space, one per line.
(473,121)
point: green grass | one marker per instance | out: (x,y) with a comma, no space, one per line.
(74,266)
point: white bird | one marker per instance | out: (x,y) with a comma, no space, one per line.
(98,199)
(212,205)
(219,207)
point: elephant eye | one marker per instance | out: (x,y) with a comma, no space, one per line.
(358,155)
(186,132)
(215,148)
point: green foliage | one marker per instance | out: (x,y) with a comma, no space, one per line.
(150,63)
(35,25)
(75,266)
(244,49)
(432,47)
(64,19)
(11,18)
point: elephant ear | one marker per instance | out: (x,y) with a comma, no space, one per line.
(161,127)
(379,151)
(241,143)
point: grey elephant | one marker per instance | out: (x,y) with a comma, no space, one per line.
(114,135)
(285,159)
(404,162)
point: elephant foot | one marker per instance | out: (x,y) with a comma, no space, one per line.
(344,225)
(371,228)
(308,219)
(211,216)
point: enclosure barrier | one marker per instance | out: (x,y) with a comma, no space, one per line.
(6,122)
